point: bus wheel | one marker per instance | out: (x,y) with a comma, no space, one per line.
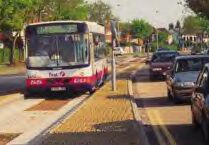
(27,95)
(92,91)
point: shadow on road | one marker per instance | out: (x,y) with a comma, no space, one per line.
(182,134)
(110,133)
(143,75)
(156,102)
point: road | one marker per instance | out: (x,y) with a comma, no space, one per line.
(165,123)
(11,83)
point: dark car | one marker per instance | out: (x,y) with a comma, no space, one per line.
(200,102)
(162,49)
(161,62)
(180,81)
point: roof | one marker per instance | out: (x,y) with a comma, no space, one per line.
(92,26)
(63,21)
(191,56)
(166,51)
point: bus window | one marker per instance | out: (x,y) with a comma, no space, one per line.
(99,47)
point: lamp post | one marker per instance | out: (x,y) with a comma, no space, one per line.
(157,34)
(118,27)
(114,38)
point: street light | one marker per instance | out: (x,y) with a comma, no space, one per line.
(114,38)
(118,25)
(157,34)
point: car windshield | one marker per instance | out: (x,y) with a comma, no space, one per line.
(58,50)
(194,64)
(164,57)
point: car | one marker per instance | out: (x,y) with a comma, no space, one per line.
(118,51)
(161,62)
(162,49)
(200,102)
(180,80)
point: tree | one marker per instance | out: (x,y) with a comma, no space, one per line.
(199,6)
(141,29)
(171,26)
(178,25)
(100,12)
(125,27)
(195,24)
(69,10)
(12,14)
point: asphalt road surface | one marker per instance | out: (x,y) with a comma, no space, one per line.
(165,123)
(11,83)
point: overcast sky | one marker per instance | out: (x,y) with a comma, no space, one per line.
(158,12)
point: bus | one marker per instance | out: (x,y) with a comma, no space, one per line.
(65,56)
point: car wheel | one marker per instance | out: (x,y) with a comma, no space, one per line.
(169,94)
(205,129)
(176,100)
(27,95)
(152,77)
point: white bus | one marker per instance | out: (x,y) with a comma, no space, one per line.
(65,56)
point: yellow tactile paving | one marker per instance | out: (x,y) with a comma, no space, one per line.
(105,119)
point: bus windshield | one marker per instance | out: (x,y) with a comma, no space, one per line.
(58,50)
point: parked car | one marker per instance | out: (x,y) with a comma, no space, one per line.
(161,62)
(200,102)
(118,51)
(180,81)
(162,49)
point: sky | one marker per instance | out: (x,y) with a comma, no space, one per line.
(157,12)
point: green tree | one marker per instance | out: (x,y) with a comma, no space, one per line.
(178,26)
(199,6)
(141,29)
(100,12)
(125,27)
(69,10)
(195,24)
(12,18)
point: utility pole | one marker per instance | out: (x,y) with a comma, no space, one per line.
(157,35)
(114,38)
(118,25)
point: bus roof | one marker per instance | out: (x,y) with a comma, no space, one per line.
(92,26)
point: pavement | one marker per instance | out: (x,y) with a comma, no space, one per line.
(105,119)
(30,118)
(164,122)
